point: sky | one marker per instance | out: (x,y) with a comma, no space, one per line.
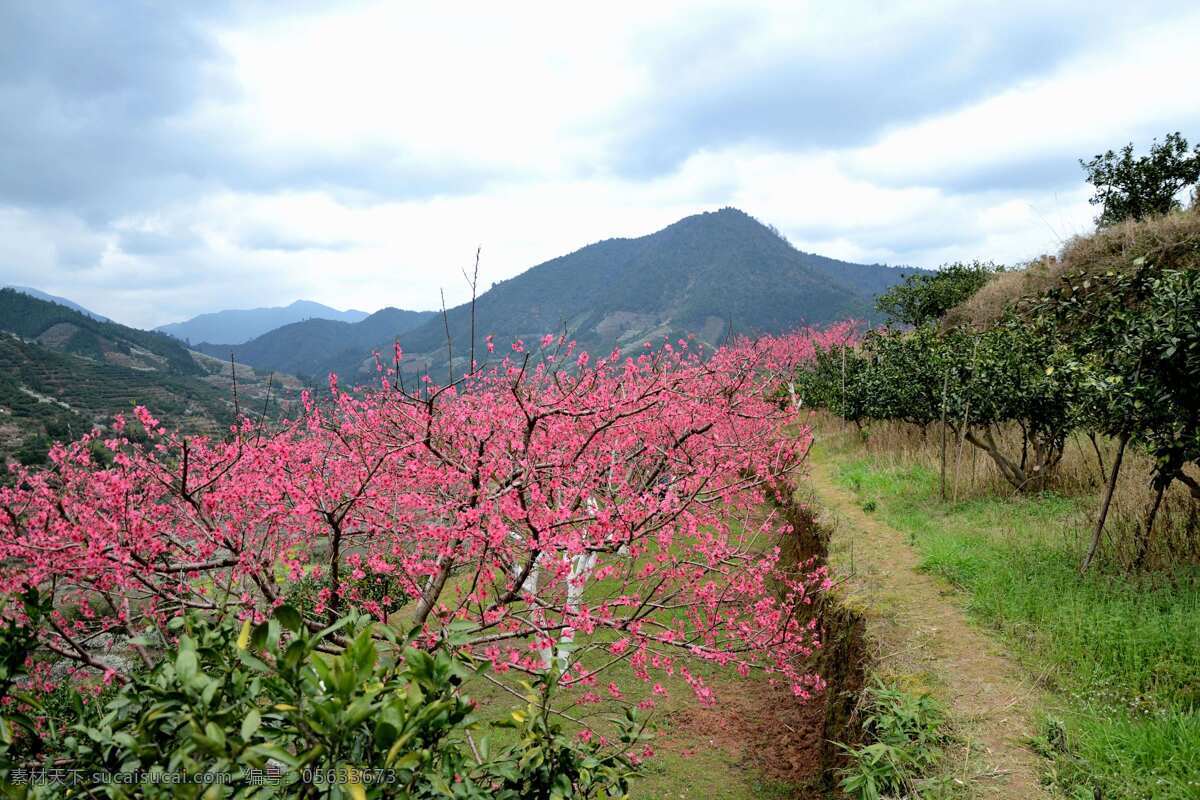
(160,160)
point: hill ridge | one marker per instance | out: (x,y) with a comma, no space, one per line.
(240,325)
(703,274)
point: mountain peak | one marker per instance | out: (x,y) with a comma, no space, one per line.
(727,213)
(236,326)
(729,219)
(702,275)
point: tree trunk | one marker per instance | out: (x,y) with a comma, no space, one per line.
(1024,445)
(1143,544)
(581,566)
(965,420)
(1046,455)
(1099,455)
(335,567)
(433,590)
(843,409)
(1108,495)
(1011,472)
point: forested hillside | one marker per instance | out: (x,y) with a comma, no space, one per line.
(62,301)
(308,348)
(707,275)
(65,330)
(62,372)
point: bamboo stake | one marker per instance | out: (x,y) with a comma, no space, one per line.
(843,387)
(945,390)
(962,437)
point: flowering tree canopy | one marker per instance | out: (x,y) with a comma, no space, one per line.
(542,497)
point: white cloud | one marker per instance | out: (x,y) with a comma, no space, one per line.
(1144,86)
(358,155)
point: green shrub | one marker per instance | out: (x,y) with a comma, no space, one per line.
(926,297)
(349,711)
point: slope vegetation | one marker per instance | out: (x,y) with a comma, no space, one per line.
(61,372)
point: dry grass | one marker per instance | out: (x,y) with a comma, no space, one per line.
(971,475)
(1171,240)
(989,304)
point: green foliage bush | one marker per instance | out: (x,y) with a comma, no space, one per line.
(17,639)
(353,710)
(1135,336)
(975,381)
(925,298)
(1106,343)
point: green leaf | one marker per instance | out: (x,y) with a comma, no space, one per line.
(253,662)
(214,731)
(258,636)
(210,691)
(276,752)
(251,724)
(186,665)
(125,740)
(335,627)
(295,654)
(289,618)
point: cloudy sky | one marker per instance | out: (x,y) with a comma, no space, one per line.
(158,160)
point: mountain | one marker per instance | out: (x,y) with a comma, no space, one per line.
(66,330)
(62,301)
(61,372)
(236,326)
(706,274)
(308,348)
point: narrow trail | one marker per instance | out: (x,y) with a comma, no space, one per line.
(919,629)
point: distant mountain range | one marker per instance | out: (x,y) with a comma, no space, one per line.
(308,348)
(236,326)
(708,274)
(62,301)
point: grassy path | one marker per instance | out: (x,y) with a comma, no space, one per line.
(920,630)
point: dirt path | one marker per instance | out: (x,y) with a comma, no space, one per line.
(919,629)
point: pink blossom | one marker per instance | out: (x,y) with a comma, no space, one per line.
(510,493)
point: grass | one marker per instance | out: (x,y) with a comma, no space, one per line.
(690,755)
(694,752)
(1121,652)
